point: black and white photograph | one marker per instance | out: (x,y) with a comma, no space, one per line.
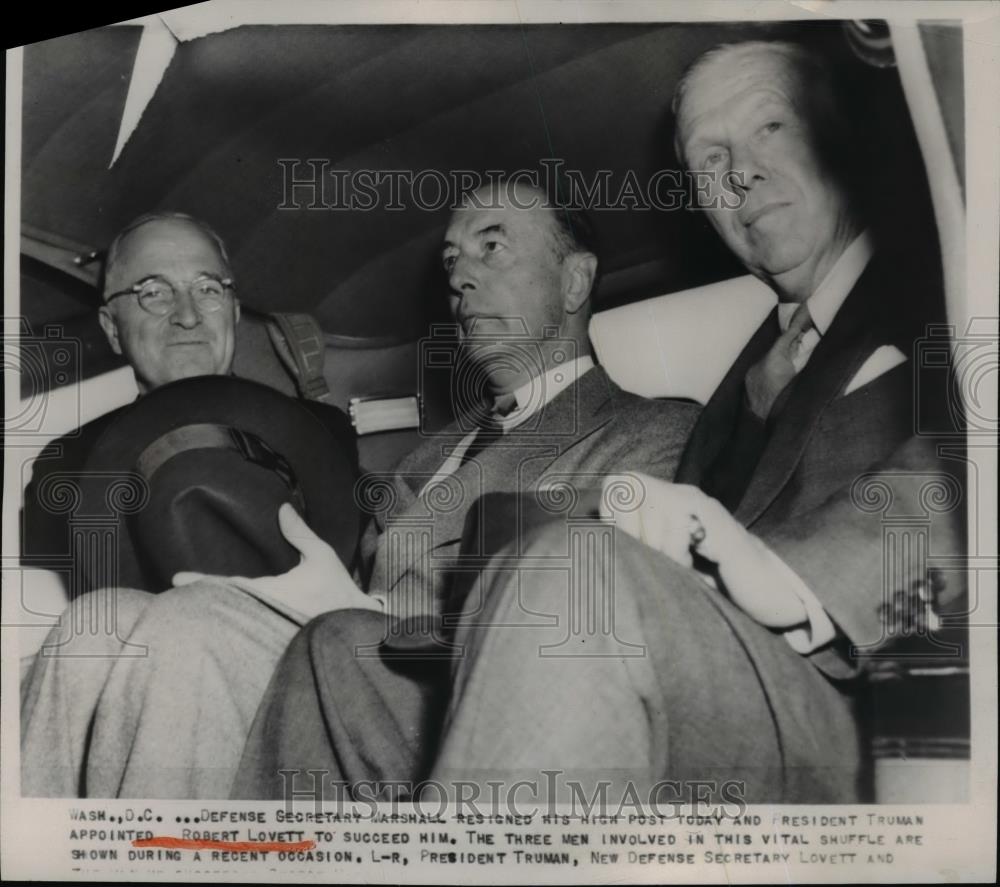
(502,443)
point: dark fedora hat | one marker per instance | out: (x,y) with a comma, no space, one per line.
(191,476)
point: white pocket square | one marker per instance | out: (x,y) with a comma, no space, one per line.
(881,360)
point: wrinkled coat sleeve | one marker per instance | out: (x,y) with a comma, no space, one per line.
(879,536)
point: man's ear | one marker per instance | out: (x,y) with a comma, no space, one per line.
(236,311)
(110,327)
(578,275)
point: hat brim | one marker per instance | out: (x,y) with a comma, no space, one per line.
(132,514)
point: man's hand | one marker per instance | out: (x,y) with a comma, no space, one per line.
(320,583)
(679,520)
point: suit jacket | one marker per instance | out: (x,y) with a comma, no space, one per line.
(588,430)
(807,497)
(356,702)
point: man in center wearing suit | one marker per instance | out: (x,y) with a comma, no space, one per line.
(358,694)
(743,592)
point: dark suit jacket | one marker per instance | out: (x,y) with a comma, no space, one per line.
(588,430)
(807,498)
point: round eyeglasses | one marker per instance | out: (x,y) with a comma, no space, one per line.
(158,297)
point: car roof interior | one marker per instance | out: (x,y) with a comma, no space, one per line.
(231,105)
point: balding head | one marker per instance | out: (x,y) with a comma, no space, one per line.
(192,334)
(114,250)
(802,72)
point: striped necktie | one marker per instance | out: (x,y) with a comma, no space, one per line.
(728,478)
(767,378)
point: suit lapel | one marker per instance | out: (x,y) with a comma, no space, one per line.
(838,356)
(576,412)
(518,458)
(715,424)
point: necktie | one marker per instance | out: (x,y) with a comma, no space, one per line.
(767,378)
(729,476)
(491,429)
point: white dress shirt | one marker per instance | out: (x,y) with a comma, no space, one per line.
(536,393)
(825,302)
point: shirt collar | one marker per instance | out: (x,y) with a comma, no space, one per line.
(826,300)
(541,390)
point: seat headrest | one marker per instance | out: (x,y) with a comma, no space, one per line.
(680,344)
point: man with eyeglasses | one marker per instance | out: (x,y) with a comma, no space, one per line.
(169,308)
(169,303)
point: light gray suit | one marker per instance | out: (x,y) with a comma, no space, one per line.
(361,696)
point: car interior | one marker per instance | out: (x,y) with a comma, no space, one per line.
(343,303)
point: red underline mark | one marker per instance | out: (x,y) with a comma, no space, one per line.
(197,844)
